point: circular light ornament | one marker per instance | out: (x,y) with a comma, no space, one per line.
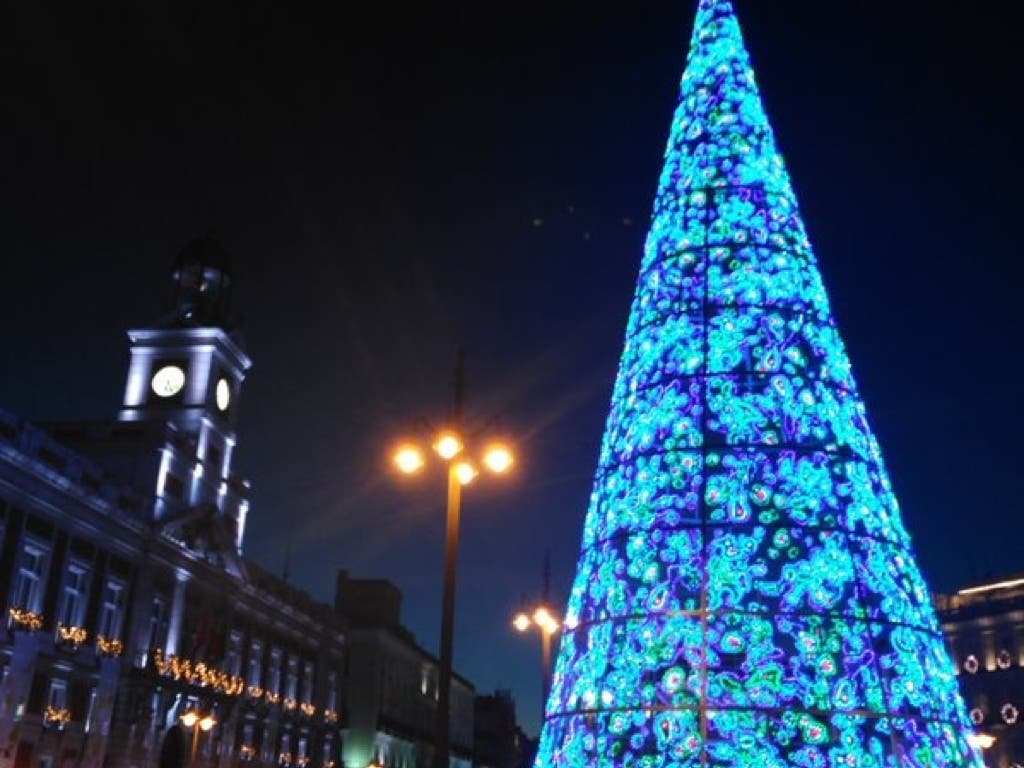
(1004,659)
(1010,714)
(977,716)
(521,622)
(223,395)
(971,664)
(168,381)
(498,459)
(409,459)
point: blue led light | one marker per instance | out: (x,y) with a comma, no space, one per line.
(746,594)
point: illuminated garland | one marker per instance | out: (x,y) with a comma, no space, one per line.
(307,709)
(22,618)
(746,595)
(73,635)
(330,716)
(54,716)
(197,673)
(290,704)
(109,646)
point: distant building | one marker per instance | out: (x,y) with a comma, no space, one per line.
(392,685)
(497,738)
(984,626)
(125,598)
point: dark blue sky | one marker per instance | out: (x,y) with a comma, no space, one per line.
(377,177)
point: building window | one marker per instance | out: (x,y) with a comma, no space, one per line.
(158,622)
(58,696)
(255,675)
(292,681)
(174,486)
(274,673)
(71,612)
(307,681)
(31,579)
(286,749)
(233,655)
(112,610)
(332,692)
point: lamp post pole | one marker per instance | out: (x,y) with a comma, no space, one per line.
(442,738)
(195,745)
(545,621)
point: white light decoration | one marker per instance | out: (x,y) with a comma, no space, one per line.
(1009,713)
(1004,659)
(971,664)
(168,381)
(977,716)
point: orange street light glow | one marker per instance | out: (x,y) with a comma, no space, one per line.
(498,459)
(464,472)
(521,622)
(207,722)
(409,459)
(543,618)
(189,719)
(448,446)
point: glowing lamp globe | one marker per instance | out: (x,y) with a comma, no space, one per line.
(498,459)
(521,622)
(465,472)
(189,719)
(448,446)
(207,723)
(409,459)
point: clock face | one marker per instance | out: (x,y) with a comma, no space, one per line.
(168,381)
(223,395)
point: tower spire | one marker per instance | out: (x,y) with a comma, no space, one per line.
(746,592)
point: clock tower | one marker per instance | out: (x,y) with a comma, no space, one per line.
(185,374)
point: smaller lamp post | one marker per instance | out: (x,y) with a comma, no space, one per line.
(197,722)
(543,619)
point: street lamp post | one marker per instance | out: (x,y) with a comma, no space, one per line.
(544,620)
(197,722)
(409,458)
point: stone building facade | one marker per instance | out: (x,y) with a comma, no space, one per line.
(392,685)
(984,627)
(126,600)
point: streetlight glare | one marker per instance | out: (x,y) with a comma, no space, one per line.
(448,445)
(498,459)
(409,459)
(189,719)
(521,622)
(207,722)
(543,618)
(465,472)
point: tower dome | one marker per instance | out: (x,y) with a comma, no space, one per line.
(202,278)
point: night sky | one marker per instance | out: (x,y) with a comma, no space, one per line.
(393,184)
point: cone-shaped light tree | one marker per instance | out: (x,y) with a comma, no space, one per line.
(746,594)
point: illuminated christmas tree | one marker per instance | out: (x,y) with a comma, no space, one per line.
(747,594)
